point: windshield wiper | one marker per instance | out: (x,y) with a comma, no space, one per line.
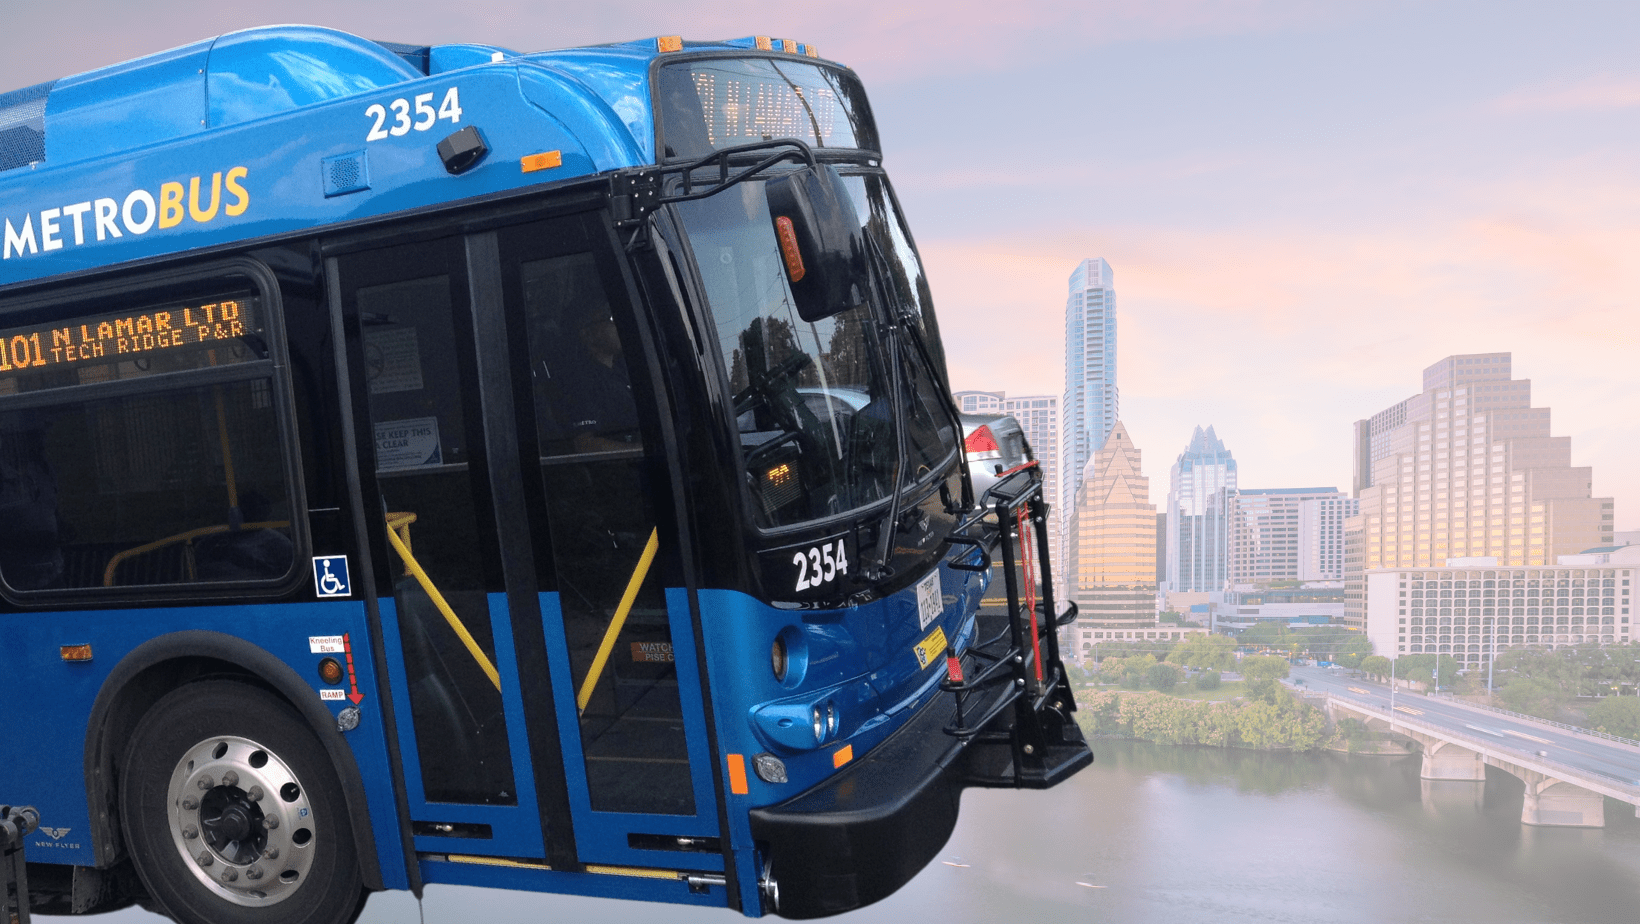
(906,320)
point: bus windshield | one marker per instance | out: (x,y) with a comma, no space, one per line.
(821,430)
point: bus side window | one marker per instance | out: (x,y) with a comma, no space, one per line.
(114,477)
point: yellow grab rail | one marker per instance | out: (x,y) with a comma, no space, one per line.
(189,536)
(397,521)
(618,621)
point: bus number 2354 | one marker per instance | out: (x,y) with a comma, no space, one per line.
(820,565)
(449,108)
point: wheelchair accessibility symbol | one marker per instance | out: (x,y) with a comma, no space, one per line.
(330,576)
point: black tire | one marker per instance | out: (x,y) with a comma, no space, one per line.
(234,814)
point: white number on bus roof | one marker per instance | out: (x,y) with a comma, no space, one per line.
(425,117)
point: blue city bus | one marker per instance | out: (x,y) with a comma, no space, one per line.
(451,465)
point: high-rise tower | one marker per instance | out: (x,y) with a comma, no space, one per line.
(1091,403)
(1198,515)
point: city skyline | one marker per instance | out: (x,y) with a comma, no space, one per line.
(1297,226)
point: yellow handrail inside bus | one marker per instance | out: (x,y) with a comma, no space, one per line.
(618,621)
(189,536)
(397,521)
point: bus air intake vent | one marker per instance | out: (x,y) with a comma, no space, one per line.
(345,173)
(23,126)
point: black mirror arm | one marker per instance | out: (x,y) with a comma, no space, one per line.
(784,149)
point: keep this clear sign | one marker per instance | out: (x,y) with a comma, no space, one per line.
(408,443)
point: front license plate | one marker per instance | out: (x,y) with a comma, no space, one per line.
(930,648)
(929,604)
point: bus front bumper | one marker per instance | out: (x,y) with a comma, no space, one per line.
(866,831)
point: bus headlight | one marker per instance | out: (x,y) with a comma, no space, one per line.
(819,723)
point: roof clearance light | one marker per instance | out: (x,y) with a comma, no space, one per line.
(789,46)
(811,51)
(669,43)
(545,161)
(764,43)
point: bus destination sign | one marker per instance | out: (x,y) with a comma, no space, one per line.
(115,337)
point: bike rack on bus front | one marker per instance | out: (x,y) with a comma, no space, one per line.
(1013,703)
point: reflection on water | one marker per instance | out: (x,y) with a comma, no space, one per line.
(1187,835)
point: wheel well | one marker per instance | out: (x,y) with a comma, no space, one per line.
(159,666)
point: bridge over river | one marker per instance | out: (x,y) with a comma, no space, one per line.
(1567,772)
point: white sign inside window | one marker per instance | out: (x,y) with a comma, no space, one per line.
(407,443)
(392,360)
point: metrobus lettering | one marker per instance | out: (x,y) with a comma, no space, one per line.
(200,200)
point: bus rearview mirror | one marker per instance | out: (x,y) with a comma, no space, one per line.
(821,242)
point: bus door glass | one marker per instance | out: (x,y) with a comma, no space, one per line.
(619,632)
(446,619)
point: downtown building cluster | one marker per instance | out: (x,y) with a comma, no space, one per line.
(1461,485)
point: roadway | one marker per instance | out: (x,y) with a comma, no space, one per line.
(1608,759)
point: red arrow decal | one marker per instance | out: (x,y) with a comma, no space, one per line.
(352,681)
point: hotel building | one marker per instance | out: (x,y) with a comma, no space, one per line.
(1468,468)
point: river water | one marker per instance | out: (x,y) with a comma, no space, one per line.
(1189,835)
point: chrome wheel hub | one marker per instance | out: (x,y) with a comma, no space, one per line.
(241,821)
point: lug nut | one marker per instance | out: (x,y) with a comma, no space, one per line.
(272,853)
(254,873)
(190,832)
(230,779)
(205,782)
(1029,749)
(230,875)
(190,803)
(255,794)
(205,858)
(270,822)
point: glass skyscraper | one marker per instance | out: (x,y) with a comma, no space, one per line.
(1091,403)
(1202,483)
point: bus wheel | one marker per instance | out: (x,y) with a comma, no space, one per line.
(234,814)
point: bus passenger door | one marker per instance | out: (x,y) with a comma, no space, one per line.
(459,616)
(605,524)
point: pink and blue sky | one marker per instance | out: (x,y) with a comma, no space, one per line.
(1304,203)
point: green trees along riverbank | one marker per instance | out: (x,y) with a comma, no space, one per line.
(1269,718)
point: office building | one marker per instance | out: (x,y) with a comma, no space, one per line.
(1091,403)
(1288,534)
(1476,606)
(1202,482)
(1468,468)
(1113,551)
(1355,573)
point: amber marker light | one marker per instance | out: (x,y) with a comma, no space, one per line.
(76,652)
(764,43)
(544,161)
(330,671)
(789,46)
(668,43)
(788,248)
